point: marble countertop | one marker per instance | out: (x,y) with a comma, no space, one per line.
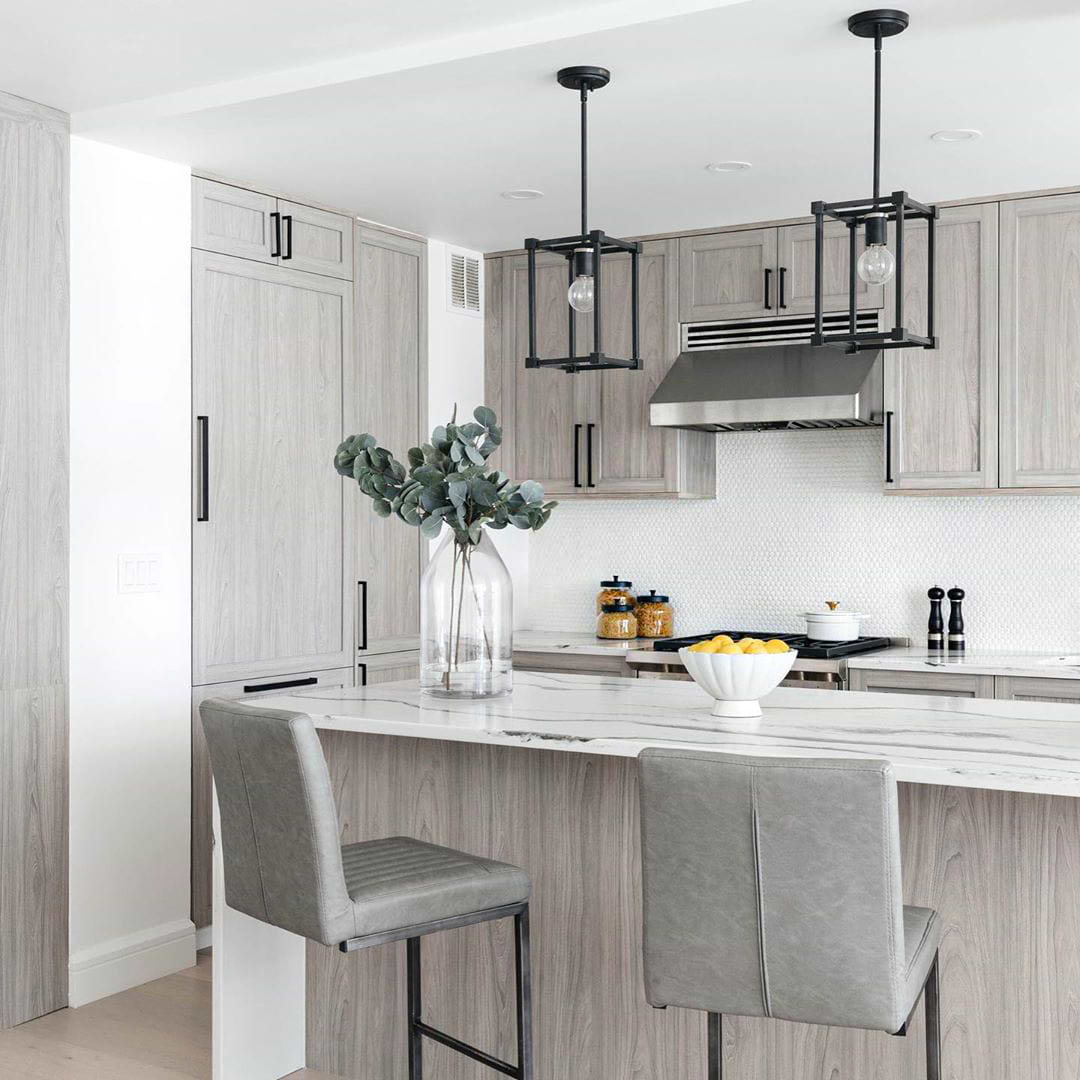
(580,644)
(1000,745)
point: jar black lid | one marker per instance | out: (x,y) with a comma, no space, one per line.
(616,583)
(617,605)
(653,598)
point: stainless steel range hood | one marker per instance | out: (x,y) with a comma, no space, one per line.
(769,387)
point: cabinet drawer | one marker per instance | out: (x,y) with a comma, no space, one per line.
(387,667)
(928,684)
(1019,688)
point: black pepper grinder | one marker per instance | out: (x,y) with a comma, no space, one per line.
(935,627)
(956,621)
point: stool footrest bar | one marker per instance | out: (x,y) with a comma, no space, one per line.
(464,1048)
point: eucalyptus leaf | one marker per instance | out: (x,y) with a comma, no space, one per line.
(484,415)
(382,507)
(430,527)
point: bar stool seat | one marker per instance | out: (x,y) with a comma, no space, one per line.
(922,937)
(399,881)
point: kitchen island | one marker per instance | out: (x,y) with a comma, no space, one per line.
(545,779)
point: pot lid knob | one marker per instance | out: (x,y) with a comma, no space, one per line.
(832,605)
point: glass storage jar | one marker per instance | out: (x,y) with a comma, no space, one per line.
(612,590)
(655,615)
(616,621)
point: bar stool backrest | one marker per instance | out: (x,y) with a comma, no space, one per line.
(280,840)
(772,887)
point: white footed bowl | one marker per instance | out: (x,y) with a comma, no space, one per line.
(737,682)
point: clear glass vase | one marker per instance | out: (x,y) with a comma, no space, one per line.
(466,620)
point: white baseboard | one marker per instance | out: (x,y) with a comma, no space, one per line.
(204,937)
(130,961)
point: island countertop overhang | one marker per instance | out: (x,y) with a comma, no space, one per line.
(996,745)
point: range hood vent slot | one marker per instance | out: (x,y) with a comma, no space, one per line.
(781,330)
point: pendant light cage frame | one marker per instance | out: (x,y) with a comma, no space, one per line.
(874,215)
(585,252)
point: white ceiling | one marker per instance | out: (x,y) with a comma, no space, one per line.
(423,128)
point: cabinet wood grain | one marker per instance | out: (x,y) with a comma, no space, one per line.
(1000,868)
(387,667)
(945,400)
(1018,688)
(723,275)
(316,240)
(233,221)
(929,684)
(274,586)
(796,258)
(34,558)
(1040,326)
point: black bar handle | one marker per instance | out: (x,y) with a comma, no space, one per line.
(888,448)
(577,455)
(783,276)
(204,468)
(288,684)
(768,288)
(287,253)
(588,455)
(363,614)
(362,669)
(275,243)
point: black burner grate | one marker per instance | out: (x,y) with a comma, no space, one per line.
(807,647)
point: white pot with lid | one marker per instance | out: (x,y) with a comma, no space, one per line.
(831,624)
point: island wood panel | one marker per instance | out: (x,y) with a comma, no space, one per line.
(1026,688)
(924,684)
(385,401)
(1003,869)
(34,559)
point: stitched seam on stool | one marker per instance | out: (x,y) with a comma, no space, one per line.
(254,833)
(763,963)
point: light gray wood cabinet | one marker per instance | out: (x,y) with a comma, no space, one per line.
(387,667)
(795,272)
(251,225)
(1022,688)
(274,588)
(929,684)
(202,788)
(34,559)
(386,397)
(727,275)
(1040,328)
(944,402)
(588,435)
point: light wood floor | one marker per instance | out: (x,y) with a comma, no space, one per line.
(159,1031)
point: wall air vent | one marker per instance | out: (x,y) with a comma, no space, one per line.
(463,278)
(781,330)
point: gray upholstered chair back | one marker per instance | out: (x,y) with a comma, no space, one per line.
(279,827)
(772,887)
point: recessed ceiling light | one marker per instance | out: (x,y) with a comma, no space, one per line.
(728,166)
(956,135)
(522,193)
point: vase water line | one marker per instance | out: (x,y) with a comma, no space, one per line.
(466,620)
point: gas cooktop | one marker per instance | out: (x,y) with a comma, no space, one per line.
(807,647)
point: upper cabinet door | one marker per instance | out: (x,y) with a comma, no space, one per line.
(233,221)
(316,240)
(944,401)
(550,407)
(727,275)
(795,274)
(275,587)
(1040,328)
(384,401)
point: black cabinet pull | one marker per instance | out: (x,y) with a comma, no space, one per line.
(362,669)
(204,468)
(363,614)
(286,685)
(888,448)
(577,455)
(287,253)
(768,288)
(588,455)
(783,276)
(275,243)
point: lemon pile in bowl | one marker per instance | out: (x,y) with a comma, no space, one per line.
(747,646)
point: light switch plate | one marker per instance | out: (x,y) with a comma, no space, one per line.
(139,572)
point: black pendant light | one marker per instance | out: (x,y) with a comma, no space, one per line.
(584,254)
(877,264)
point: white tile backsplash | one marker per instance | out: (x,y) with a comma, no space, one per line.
(800,519)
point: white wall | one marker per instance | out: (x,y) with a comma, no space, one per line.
(456,375)
(799,519)
(130,492)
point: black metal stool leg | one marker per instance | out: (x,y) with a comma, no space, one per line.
(716,1050)
(932,1011)
(416,1053)
(524,995)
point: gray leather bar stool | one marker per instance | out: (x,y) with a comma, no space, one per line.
(772,888)
(285,865)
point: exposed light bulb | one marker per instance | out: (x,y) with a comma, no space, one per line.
(876,264)
(582,294)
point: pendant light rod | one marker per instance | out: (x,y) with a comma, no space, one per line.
(877,115)
(584,160)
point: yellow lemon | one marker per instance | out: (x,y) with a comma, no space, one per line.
(723,639)
(729,650)
(755,648)
(746,642)
(775,645)
(704,647)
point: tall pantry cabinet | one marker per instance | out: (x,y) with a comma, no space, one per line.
(306,327)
